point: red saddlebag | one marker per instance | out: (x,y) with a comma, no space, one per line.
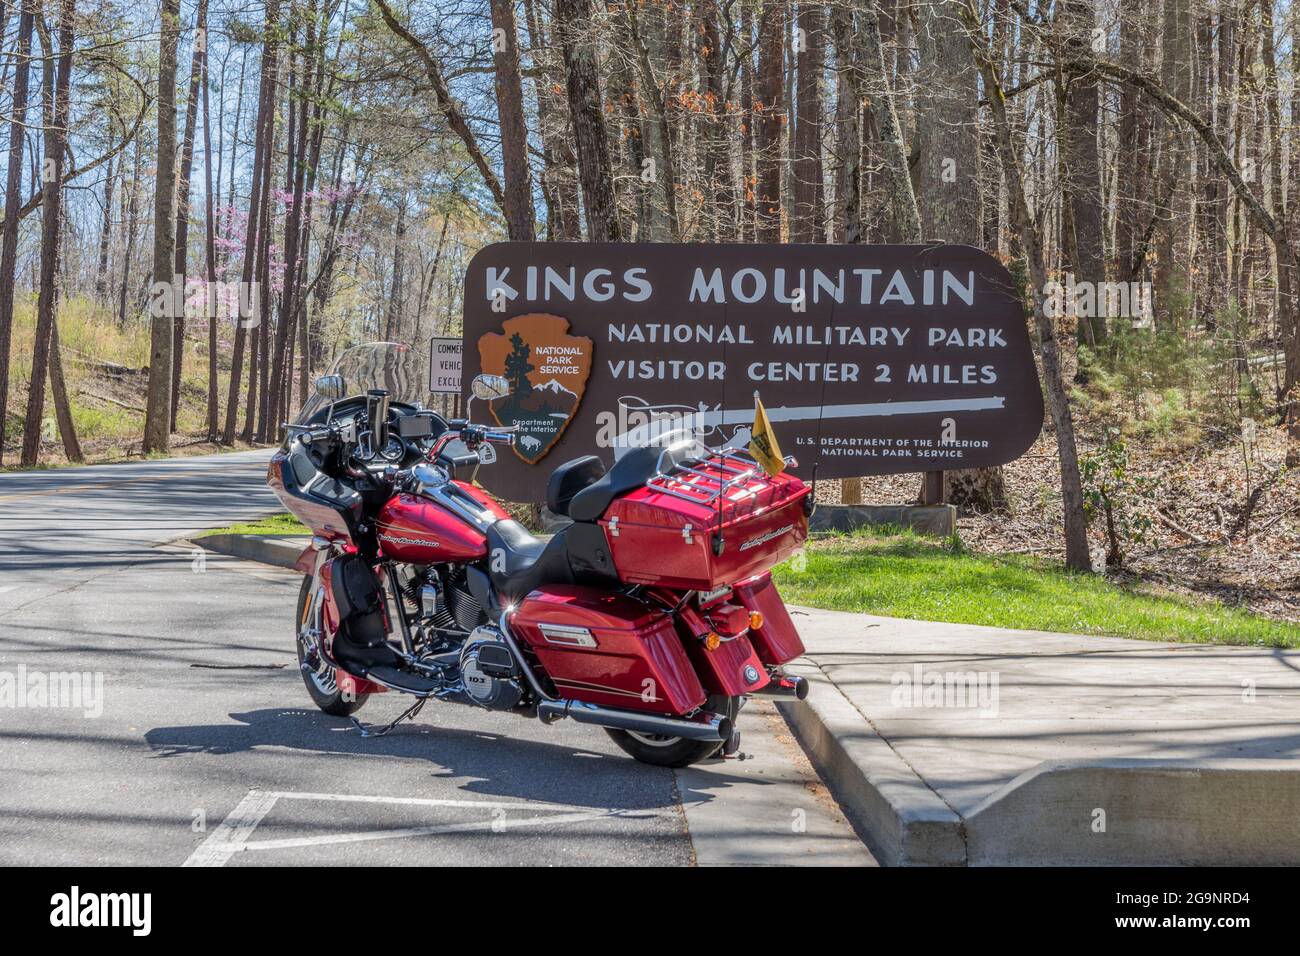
(664,532)
(608,649)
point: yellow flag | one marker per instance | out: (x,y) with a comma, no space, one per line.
(762,441)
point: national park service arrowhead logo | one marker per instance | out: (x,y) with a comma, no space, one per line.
(547,369)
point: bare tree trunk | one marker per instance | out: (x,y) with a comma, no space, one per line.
(1083,173)
(1215,191)
(258,377)
(748,183)
(848,198)
(769,108)
(587,114)
(902,199)
(261,145)
(1175,76)
(131,202)
(1287,310)
(1076,528)
(809,199)
(718,138)
(294,177)
(157,422)
(660,138)
(210,247)
(106,230)
(393,322)
(559,175)
(514,131)
(183,201)
(13,202)
(56,143)
(1131,146)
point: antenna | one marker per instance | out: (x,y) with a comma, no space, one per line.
(718,543)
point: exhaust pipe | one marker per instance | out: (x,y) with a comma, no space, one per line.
(704,727)
(784,685)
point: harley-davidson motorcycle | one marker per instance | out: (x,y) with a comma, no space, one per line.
(652,614)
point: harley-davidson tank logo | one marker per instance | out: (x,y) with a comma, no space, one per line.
(547,369)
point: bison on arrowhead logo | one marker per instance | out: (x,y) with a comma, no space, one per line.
(547,369)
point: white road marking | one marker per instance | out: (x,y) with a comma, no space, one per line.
(232,835)
(239,824)
(535,806)
(494,825)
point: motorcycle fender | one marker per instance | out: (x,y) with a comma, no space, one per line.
(777,641)
(732,668)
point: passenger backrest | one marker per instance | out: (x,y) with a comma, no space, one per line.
(570,478)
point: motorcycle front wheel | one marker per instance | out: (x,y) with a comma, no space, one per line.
(675,751)
(322,686)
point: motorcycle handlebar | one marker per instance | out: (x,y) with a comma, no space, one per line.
(474,435)
(313,433)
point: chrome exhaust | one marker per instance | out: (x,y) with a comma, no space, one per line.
(784,685)
(703,727)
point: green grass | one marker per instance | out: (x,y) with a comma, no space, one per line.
(275,524)
(904,575)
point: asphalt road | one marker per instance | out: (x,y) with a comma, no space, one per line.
(188,738)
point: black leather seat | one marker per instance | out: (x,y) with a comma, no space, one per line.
(518,562)
(569,479)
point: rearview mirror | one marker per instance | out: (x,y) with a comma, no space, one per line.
(331,387)
(488,387)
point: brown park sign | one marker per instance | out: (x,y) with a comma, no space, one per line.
(870,360)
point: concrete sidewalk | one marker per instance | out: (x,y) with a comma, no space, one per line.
(955,744)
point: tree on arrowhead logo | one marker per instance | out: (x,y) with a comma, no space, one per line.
(547,369)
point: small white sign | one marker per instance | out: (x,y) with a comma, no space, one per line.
(444,366)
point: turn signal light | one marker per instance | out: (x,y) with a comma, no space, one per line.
(755,620)
(712,641)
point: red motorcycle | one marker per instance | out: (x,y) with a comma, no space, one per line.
(653,614)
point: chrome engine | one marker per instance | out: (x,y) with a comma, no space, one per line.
(488,670)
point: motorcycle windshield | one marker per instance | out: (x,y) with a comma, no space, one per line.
(683,435)
(673,442)
(392,366)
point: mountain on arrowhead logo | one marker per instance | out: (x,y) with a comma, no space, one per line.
(547,369)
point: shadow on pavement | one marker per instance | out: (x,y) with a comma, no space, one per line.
(493,764)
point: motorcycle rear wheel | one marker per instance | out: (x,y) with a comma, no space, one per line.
(322,686)
(675,751)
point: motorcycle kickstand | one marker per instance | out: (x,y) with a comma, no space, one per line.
(408,714)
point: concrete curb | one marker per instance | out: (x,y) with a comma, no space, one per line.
(1142,812)
(282,551)
(904,822)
